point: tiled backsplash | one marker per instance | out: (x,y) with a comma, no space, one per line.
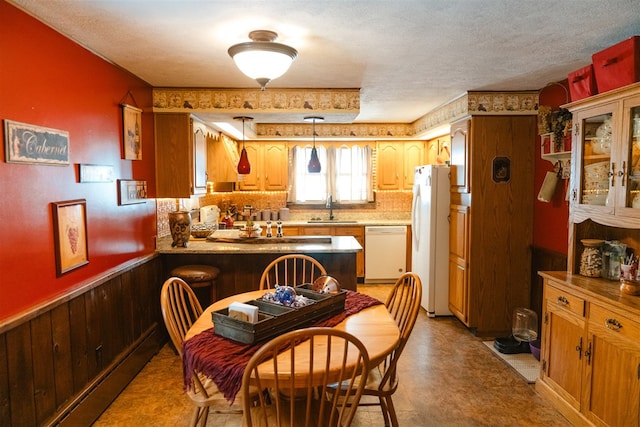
(391,205)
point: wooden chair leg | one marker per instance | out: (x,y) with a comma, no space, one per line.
(392,411)
(204,414)
(385,411)
(194,417)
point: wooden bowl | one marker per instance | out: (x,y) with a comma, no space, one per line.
(630,287)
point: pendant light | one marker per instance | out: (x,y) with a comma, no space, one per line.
(244,168)
(262,59)
(314,163)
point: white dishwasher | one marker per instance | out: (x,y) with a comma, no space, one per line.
(385,250)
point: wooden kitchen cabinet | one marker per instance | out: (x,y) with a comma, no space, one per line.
(269,167)
(458,250)
(489,268)
(181,156)
(358,233)
(438,150)
(564,324)
(355,231)
(397,162)
(612,397)
(605,182)
(606,160)
(590,358)
(222,159)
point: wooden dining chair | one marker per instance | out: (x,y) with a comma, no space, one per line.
(292,270)
(297,387)
(403,303)
(180,310)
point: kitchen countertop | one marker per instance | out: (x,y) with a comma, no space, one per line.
(339,244)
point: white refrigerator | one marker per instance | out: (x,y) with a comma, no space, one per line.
(430,236)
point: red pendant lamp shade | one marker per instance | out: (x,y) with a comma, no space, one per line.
(314,163)
(244,167)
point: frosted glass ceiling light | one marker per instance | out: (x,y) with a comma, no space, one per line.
(314,162)
(262,59)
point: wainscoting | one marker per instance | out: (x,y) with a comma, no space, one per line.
(64,362)
(543,260)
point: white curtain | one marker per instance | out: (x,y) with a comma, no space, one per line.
(346,174)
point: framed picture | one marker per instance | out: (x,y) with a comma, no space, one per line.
(501,169)
(132,135)
(70,235)
(131,191)
(96,173)
(25,143)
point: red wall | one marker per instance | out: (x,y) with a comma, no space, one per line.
(47,80)
(550,224)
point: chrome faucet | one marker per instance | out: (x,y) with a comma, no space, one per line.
(330,206)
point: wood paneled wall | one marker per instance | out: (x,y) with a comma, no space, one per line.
(543,260)
(57,362)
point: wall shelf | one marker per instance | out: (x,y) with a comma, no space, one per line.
(560,159)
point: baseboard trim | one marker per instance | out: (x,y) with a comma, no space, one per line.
(88,405)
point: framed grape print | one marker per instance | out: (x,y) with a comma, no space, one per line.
(70,235)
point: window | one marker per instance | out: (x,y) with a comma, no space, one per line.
(346,175)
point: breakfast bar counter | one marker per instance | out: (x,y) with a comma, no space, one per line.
(241,263)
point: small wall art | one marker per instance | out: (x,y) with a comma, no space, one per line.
(131,191)
(132,134)
(25,143)
(501,169)
(96,173)
(70,235)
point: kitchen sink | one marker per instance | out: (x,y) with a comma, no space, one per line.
(331,221)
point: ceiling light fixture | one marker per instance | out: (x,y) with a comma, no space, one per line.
(314,163)
(244,167)
(262,59)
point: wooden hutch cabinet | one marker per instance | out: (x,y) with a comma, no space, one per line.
(181,155)
(491,220)
(590,351)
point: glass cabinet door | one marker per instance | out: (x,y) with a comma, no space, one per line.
(631,151)
(596,145)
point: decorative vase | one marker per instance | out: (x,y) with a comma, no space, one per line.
(180,225)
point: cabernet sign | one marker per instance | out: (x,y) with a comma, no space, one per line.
(26,143)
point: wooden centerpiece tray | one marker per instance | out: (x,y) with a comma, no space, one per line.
(264,240)
(275,319)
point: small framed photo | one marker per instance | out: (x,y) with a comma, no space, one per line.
(132,134)
(131,191)
(70,235)
(96,173)
(501,169)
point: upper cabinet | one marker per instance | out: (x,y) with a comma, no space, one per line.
(222,159)
(181,156)
(268,167)
(605,185)
(397,162)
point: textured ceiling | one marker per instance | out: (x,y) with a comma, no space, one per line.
(407,57)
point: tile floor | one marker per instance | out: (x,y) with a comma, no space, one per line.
(448,377)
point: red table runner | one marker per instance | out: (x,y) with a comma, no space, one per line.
(224,360)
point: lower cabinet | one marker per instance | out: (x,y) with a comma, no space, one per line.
(458,256)
(590,358)
(357,232)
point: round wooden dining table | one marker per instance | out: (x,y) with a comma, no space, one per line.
(373,326)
